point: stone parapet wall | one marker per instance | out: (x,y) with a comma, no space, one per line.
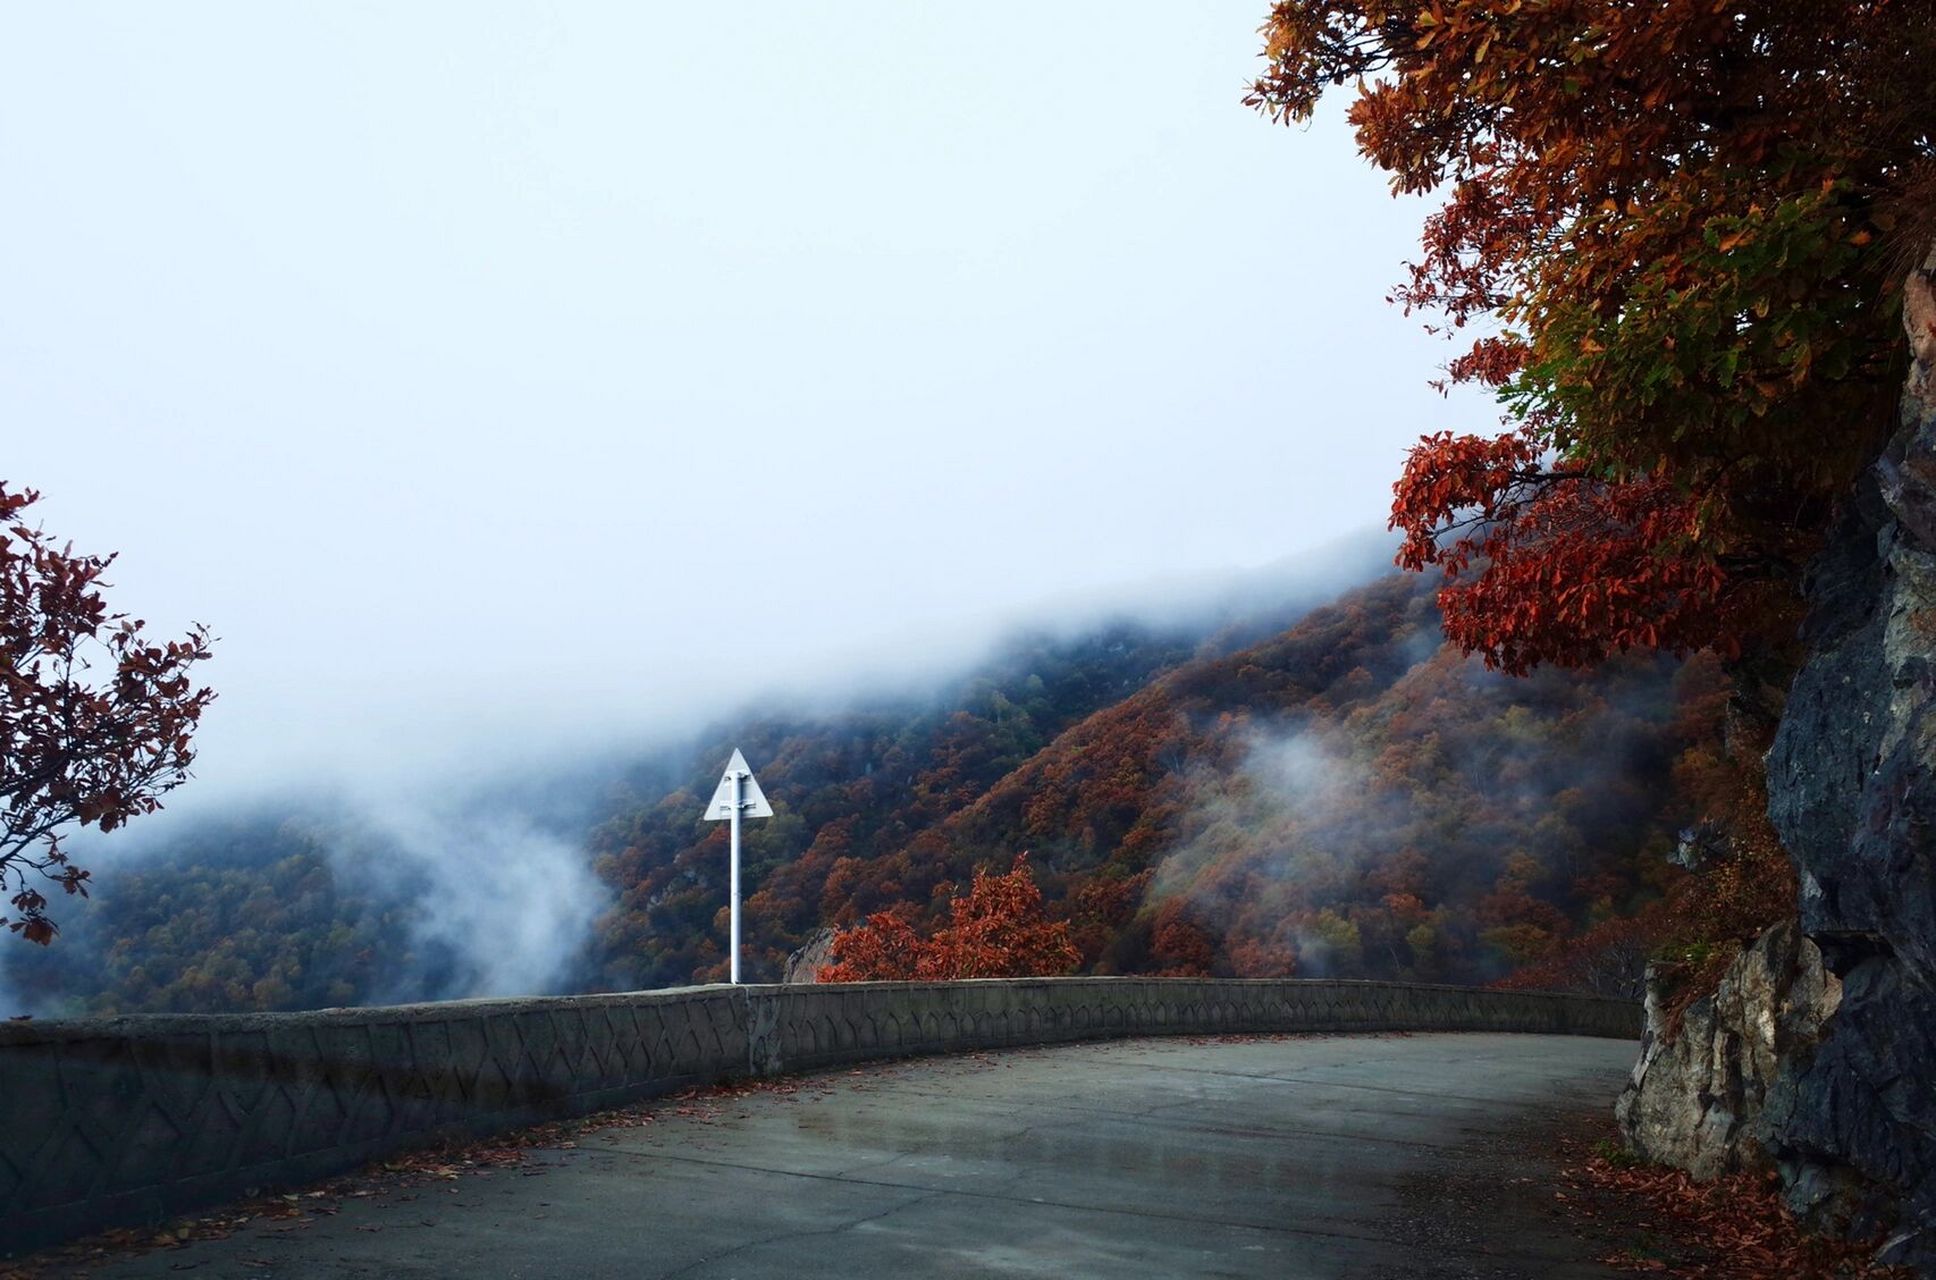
(107,1121)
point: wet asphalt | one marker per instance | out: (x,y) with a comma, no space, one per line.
(1324,1156)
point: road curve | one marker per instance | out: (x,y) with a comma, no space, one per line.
(1281,1156)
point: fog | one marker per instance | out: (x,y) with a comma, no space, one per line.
(1300,805)
(510,903)
(504,381)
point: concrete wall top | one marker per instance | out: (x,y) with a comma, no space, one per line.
(45,1030)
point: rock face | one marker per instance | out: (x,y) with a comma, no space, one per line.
(1817,1055)
(805,964)
(1852,789)
(1696,1100)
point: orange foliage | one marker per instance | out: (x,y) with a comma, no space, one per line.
(1736,1227)
(996,930)
(1675,221)
(1575,569)
(1180,947)
(883,948)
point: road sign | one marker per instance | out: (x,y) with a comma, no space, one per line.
(738,796)
(752,798)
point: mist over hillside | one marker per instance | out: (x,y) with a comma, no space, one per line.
(436,882)
(1229,787)
(1345,797)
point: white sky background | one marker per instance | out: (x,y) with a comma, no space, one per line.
(509,375)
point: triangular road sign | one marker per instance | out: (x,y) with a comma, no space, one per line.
(752,802)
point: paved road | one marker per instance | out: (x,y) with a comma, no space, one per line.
(1343,1156)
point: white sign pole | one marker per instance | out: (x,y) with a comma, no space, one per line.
(739,803)
(738,796)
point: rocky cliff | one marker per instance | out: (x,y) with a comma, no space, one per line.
(1852,789)
(1827,1068)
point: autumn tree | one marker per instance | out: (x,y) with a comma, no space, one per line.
(1670,237)
(95,718)
(996,930)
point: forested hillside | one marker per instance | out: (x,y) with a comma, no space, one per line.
(1345,798)
(259,912)
(849,790)
(1342,797)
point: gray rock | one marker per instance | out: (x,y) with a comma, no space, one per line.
(814,954)
(1852,789)
(1697,1098)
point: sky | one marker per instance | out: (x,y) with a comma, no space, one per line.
(498,379)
